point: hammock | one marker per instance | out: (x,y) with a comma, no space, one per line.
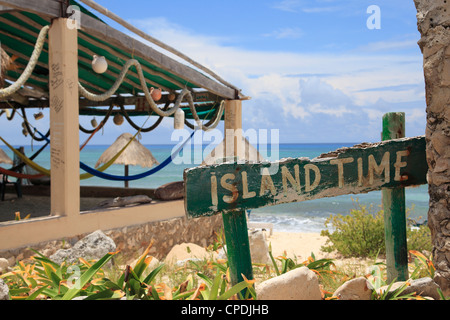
(46,172)
(13,171)
(163,164)
(90,172)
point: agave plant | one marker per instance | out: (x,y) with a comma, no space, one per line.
(45,279)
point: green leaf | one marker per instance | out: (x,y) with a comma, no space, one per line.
(36,293)
(152,274)
(103,295)
(14,292)
(273,260)
(86,277)
(215,287)
(237,288)
(111,285)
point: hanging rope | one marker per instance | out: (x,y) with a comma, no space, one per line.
(133,62)
(30,66)
(27,125)
(102,123)
(152,127)
(217,115)
(101,97)
(145,36)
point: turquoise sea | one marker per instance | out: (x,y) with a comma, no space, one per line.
(308,216)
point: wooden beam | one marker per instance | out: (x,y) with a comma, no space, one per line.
(64,147)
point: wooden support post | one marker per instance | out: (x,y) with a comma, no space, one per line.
(64,146)
(235,223)
(394,209)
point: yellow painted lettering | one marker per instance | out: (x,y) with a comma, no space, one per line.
(229,187)
(340,164)
(245,193)
(266,183)
(378,169)
(308,185)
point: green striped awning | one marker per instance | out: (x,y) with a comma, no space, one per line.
(19,30)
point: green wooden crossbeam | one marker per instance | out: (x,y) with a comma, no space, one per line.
(235,186)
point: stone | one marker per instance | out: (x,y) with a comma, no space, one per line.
(186,251)
(94,246)
(4,291)
(4,265)
(170,191)
(424,287)
(259,249)
(298,284)
(355,289)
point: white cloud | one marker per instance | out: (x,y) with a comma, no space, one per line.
(286,94)
(285,33)
(390,45)
(288,5)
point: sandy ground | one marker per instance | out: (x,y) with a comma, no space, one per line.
(299,245)
(35,206)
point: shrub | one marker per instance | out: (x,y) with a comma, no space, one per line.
(361,233)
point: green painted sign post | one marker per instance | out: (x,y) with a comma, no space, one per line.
(232,188)
(394,207)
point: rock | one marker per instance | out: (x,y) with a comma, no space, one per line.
(297,284)
(186,251)
(182,263)
(355,289)
(170,191)
(424,287)
(259,249)
(222,254)
(4,291)
(4,265)
(94,246)
(124,201)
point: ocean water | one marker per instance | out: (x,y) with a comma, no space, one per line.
(308,216)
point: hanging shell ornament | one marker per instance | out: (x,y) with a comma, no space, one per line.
(118,119)
(38,116)
(94,123)
(178,119)
(171,96)
(99,64)
(155,93)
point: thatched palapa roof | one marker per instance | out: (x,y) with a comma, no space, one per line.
(135,154)
(4,158)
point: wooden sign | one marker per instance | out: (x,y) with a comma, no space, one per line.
(367,167)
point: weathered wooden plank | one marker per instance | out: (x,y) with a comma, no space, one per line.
(360,169)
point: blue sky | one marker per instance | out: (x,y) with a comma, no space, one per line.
(313,68)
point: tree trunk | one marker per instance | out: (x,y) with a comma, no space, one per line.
(433,22)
